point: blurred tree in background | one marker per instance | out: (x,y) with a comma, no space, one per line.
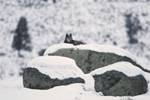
(133,26)
(21,37)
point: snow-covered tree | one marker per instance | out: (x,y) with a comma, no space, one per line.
(133,26)
(21,37)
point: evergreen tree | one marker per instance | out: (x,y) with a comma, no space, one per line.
(133,26)
(21,38)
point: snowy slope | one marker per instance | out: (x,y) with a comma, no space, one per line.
(62,67)
(70,92)
(92,21)
(13,88)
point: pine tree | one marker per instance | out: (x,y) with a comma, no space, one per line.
(21,38)
(133,26)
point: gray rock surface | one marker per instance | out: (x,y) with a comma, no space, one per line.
(34,79)
(114,83)
(89,60)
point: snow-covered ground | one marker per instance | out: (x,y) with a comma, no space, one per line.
(12,88)
(71,92)
(62,67)
(92,21)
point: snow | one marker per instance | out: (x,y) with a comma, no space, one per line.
(70,92)
(92,21)
(56,67)
(12,88)
(62,68)
(126,67)
(93,47)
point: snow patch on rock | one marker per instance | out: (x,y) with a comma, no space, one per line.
(56,67)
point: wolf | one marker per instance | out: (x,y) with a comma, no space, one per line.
(69,39)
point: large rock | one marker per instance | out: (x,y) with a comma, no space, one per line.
(34,79)
(114,83)
(88,60)
(49,71)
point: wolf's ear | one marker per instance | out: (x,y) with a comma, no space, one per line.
(70,34)
(66,35)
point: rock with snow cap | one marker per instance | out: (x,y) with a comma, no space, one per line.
(90,57)
(47,72)
(120,79)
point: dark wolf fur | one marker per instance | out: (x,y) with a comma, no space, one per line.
(70,40)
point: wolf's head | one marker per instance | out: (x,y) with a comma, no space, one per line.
(68,38)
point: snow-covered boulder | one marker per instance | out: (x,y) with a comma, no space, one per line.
(120,79)
(47,72)
(92,56)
